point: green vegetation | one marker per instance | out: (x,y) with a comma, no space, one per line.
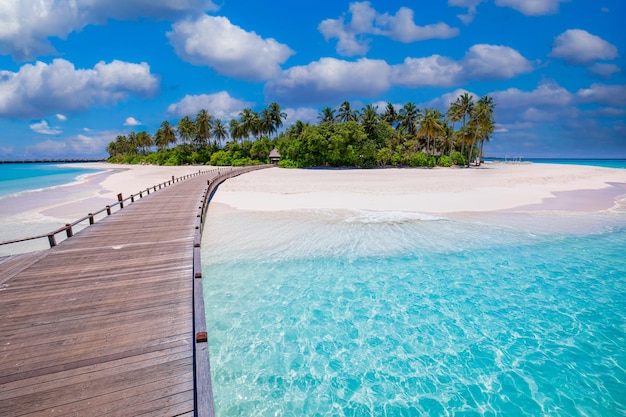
(343,137)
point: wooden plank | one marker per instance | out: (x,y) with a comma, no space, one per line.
(104,323)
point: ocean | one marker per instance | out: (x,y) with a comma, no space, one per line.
(343,313)
(26,187)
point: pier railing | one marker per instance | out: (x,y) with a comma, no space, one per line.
(203,392)
(69,229)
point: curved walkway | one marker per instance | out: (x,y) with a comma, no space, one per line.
(103,323)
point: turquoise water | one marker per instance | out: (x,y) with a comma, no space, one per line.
(396,314)
(607,163)
(17,178)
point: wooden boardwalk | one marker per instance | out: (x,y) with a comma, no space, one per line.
(103,323)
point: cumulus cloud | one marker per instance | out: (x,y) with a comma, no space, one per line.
(481,62)
(365,20)
(131,121)
(220,105)
(27,25)
(77,146)
(533,7)
(328,78)
(612,95)
(44,128)
(61,117)
(227,48)
(604,70)
(334,79)
(547,94)
(471,6)
(304,114)
(40,89)
(579,47)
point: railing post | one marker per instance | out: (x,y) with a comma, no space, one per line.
(52,240)
(121,200)
(140,194)
(68,230)
(91,221)
(172,179)
(108,210)
(148,190)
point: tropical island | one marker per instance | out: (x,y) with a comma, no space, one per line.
(344,137)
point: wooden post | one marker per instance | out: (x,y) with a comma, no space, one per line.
(52,240)
(140,194)
(121,200)
(132,198)
(68,230)
(108,210)
(148,190)
(91,221)
(172,179)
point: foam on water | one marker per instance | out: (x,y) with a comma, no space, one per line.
(331,313)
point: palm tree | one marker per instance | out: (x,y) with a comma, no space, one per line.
(203,122)
(186,129)
(220,133)
(250,122)
(390,115)
(346,114)
(431,126)
(167,134)
(481,121)
(277,115)
(266,122)
(460,110)
(370,119)
(236,130)
(408,119)
(327,115)
(144,141)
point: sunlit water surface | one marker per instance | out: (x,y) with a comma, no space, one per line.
(398,314)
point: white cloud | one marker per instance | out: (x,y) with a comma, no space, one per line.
(612,95)
(365,20)
(131,121)
(533,7)
(61,117)
(434,70)
(481,62)
(44,128)
(579,47)
(40,89)
(304,114)
(78,146)
(220,105)
(494,62)
(604,70)
(27,25)
(333,79)
(547,94)
(471,6)
(329,78)
(228,49)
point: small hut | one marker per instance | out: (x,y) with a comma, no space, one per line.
(274,156)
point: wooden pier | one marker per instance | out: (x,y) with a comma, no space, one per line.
(111,321)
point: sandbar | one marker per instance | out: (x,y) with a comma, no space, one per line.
(495,187)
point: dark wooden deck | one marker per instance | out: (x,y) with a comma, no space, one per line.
(103,323)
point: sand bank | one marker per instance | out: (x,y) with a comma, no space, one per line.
(489,188)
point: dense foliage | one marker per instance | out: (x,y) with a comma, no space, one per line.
(344,137)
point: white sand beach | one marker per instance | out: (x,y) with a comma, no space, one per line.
(491,187)
(496,187)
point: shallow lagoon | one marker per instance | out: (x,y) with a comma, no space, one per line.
(366,313)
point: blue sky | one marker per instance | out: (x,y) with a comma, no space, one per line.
(74,74)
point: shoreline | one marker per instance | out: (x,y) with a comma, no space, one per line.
(492,189)
(505,188)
